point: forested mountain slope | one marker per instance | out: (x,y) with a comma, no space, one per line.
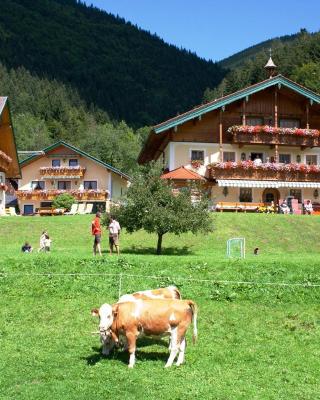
(298,59)
(126,71)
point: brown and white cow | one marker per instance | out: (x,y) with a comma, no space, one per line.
(154,318)
(170,292)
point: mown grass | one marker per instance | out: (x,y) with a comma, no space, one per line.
(256,341)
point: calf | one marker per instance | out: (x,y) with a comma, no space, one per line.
(170,292)
(150,318)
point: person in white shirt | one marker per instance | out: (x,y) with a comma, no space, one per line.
(257,161)
(114,233)
(308,207)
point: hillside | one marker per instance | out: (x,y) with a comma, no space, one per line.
(297,57)
(238,59)
(127,72)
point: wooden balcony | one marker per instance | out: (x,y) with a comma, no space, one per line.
(62,172)
(5,161)
(49,195)
(264,172)
(270,136)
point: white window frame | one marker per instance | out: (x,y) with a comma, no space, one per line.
(226,151)
(311,155)
(194,149)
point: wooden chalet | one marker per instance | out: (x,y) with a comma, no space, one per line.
(257,145)
(63,168)
(9,164)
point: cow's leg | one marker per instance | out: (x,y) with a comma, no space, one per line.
(173,347)
(131,341)
(182,348)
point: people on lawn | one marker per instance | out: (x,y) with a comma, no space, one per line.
(27,248)
(47,243)
(96,232)
(284,208)
(42,241)
(308,209)
(114,233)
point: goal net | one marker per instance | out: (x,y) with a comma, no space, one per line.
(236,248)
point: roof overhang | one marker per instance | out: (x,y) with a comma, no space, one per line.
(241,94)
(266,184)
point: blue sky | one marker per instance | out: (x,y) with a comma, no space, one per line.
(217,29)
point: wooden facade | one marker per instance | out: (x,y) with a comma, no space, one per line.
(282,120)
(9,164)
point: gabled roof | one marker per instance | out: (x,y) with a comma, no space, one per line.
(76,150)
(240,94)
(9,139)
(183,173)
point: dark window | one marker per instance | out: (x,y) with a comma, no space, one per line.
(28,209)
(38,185)
(90,185)
(311,159)
(289,123)
(296,193)
(197,155)
(64,185)
(73,162)
(55,163)
(254,121)
(229,156)
(285,158)
(245,195)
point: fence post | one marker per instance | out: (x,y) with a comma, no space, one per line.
(120,285)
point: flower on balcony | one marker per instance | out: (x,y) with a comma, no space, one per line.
(249,165)
(196,163)
(273,130)
(3,186)
(75,170)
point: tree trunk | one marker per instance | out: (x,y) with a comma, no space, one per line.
(159,245)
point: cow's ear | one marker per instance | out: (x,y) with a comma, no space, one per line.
(115,308)
(95,312)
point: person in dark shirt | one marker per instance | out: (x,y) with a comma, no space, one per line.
(26,248)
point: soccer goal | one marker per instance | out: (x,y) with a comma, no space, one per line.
(236,248)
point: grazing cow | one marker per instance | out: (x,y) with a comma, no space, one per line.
(147,318)
(170,292)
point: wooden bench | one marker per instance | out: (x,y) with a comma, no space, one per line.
(50,211)
(237,206)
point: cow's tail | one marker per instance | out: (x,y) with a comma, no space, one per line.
(194,310)
(175,292)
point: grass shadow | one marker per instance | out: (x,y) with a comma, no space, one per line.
(167,251)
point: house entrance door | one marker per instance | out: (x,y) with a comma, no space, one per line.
(270,195)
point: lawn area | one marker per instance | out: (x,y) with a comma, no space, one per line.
(257,340)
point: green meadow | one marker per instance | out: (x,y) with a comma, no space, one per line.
(258,325)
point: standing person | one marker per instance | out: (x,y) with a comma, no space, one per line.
(96,232)
(42,241)
(114,233)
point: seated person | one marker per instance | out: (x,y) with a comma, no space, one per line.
(308,207)
(26,248)
(284,208)
(271,208)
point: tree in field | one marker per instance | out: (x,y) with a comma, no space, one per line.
(151,205)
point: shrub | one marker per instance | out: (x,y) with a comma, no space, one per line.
(64,200)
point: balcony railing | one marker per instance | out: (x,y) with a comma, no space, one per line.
(271,135)
(5,161)
(49,195)
(62,172)
(267,171)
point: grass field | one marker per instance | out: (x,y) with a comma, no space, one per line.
(256,341)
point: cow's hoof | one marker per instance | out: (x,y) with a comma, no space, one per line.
(130,366)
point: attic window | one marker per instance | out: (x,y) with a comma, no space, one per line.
(56,163)
(254,121)
(289,123)
(197,155)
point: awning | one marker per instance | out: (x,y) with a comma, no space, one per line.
(266,184)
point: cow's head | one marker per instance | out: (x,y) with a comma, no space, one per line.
(106,314)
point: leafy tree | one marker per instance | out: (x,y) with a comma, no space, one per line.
(64,200)
(308,75)
(151,204)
